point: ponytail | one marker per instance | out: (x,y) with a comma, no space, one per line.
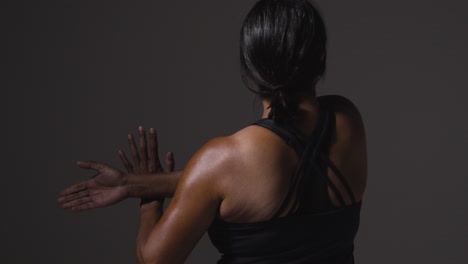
(282,52)
(282,106)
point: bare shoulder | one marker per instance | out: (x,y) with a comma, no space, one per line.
(341,105)
(262,154)
(224,160)
(256,142)
(212,164)
(214,155)
(259,169)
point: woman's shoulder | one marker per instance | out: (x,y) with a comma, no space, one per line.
(227,162)
(249,146)
(239,147)
(348,118)
(341,105)
(213,163)
(253,172)
(233,150)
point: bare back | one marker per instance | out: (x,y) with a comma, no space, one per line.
(257,189)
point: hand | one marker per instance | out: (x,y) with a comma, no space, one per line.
(144,163)
(103,189)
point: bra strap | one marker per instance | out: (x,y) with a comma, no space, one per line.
(318,152)
(330,184)
(341,177)
(321,144)
(292,140)
(313,144)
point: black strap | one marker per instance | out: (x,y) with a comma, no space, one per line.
(312,145)
(330,184)
(313,153)
(291,139)
(340,176)
(323,158)
(287,135)
(324,141)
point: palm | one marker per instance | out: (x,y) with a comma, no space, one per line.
(106,189)
(103,189)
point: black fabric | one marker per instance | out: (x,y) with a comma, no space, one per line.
(316,232)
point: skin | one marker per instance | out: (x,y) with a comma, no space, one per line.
(151,209)
(243,177)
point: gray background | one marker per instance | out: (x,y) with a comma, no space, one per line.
(79,75)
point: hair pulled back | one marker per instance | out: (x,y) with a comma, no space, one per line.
(282,52)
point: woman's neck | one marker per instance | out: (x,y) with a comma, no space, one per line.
(307,103)
(308,113)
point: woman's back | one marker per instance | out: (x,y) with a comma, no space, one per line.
(256,192)
(252,211)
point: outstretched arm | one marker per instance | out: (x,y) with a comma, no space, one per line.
(152,185)
(110,186)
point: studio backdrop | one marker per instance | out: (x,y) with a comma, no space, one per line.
(78,76)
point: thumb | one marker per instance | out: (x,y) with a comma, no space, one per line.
(90,165)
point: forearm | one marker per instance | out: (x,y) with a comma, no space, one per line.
(150,213)
(152,185)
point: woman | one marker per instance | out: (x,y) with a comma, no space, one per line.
(285,189)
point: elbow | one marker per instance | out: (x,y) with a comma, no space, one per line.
(145,257)
(149,257)
(139,256)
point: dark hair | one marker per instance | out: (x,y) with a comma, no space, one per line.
(282,51)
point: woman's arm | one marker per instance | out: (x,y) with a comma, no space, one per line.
(145,166)
(194,206)
(170,237)
(110,186)
(151,185)
(145,163)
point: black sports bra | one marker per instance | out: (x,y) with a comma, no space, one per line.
(317,232)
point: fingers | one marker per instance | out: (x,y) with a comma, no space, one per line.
(170,163)
(143,147)
(154,152)
(89,165)
(133,150)
(83,207)
(77,202)
(71,197)
(77,198)
(74,188)
(124,159)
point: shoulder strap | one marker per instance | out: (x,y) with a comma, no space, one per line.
(287,135)
(323,157)
(314,184)
(341,177)
(310,151)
